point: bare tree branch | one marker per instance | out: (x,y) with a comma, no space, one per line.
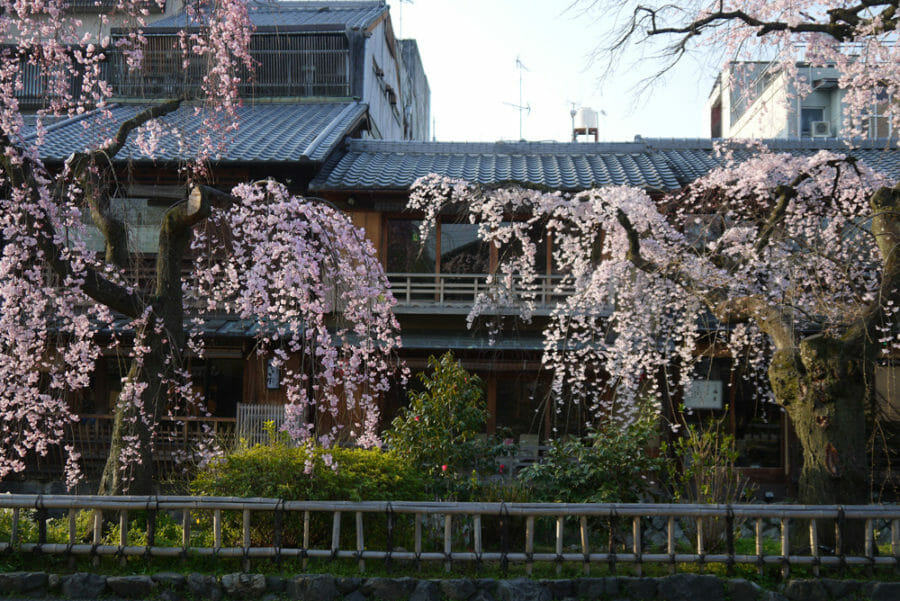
(91,170)
(118,298)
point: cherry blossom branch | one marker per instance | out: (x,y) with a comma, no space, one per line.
(770,319)
(787,192)
(85,167)
(116,297)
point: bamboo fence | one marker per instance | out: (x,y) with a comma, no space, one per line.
(677,548)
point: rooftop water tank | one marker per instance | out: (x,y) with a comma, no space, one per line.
(586,119)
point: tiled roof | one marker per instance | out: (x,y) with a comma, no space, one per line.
(648,163)
(334,15)
(267,132)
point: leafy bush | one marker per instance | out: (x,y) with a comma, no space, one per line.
(611,465)
(704,472)
(442,430)
(279,471)
(705,468)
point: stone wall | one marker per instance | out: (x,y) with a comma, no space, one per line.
(172,586)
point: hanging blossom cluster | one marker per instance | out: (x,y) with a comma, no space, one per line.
(47,325)
(313,287)
(642,276)
(49,341)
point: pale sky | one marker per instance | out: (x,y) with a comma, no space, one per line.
(469,50)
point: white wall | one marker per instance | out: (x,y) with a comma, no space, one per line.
(386,117)
(767,116)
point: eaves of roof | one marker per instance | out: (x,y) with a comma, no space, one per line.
(653,164)
(301,132)
(293,16)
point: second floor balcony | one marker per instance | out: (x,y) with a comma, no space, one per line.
(455,293)
(285,66)
(295,65)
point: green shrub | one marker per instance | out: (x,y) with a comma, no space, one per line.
(703,471)
(442,430)
(279,471)
(612,465)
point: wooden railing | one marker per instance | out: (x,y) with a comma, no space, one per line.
(423,289)
(175,436)
(621,524)
(412,289)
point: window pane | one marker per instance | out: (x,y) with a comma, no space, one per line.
(807,116)
(461,249)
(405,253)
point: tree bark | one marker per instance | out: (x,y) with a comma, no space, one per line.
(823,388)
(130,467)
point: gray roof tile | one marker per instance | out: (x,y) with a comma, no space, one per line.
(267,132)
(332,15)
(650,163)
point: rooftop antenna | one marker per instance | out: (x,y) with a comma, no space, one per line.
(572,114)
(520,107)
(400,17)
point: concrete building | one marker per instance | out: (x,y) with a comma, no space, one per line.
(760,100)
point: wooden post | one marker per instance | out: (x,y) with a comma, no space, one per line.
(700,549)
(476,526)
(336,533)
(123,533)
(759,546)
(814,544)
(360,543)
(305,537)
(670,542)
(97,534)
(418,539)
(73,533)
(785,548)
(217,529)
(185,532)
(246,539)
(895,538)
(529,543)
(585,546)
(870,545)
(636,543)
(560,520)
(448,530)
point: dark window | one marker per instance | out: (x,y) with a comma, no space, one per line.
(807,116)
(405,252)
(462,251)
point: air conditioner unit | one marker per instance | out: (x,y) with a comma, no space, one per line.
(820,129)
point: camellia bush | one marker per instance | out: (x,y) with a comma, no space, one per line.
(610,465)
(441,431)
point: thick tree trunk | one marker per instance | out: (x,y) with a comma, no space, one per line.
(823,388)
(130,467)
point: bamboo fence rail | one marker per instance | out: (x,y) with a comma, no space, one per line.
(677,548)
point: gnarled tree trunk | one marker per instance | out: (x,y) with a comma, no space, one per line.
(130,466)
(823,388)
